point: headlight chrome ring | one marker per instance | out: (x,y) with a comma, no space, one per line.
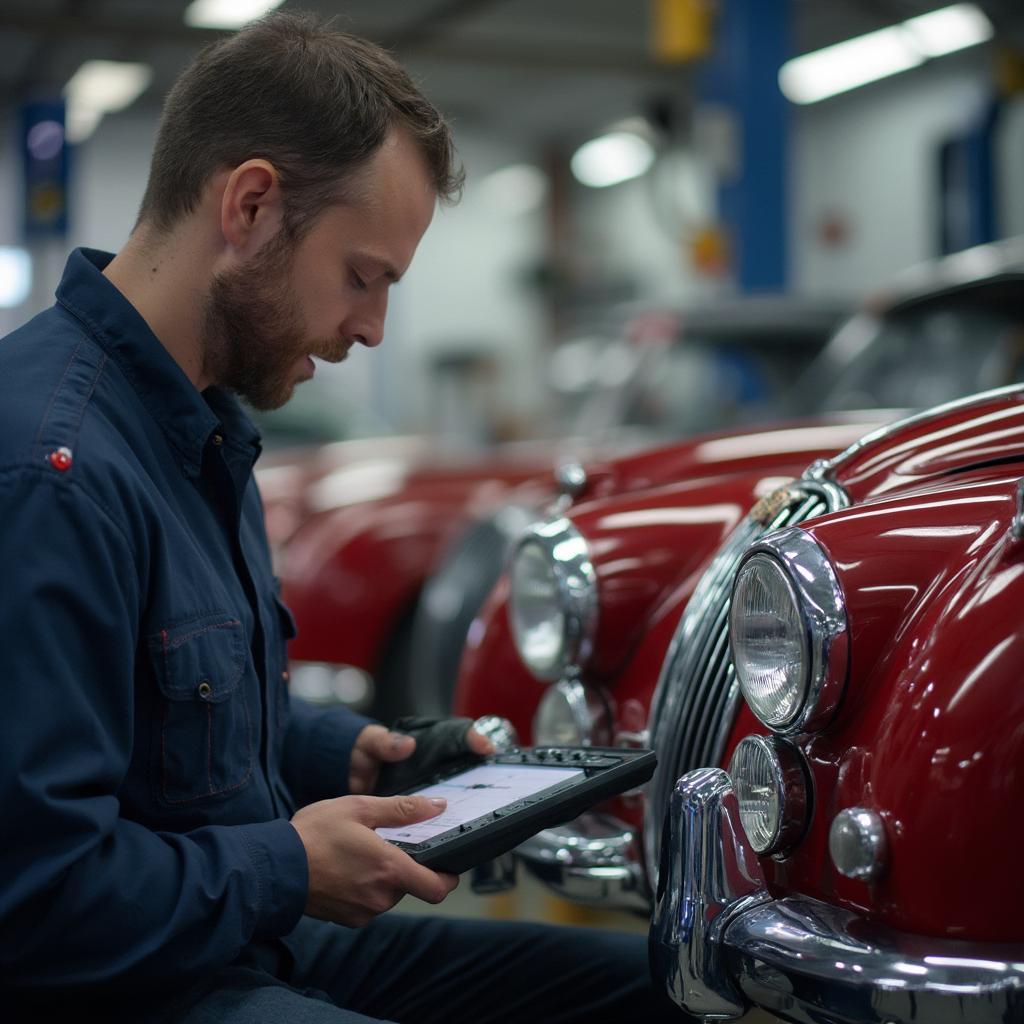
(553,602)
(789,632)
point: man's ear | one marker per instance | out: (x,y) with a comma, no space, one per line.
(251,210)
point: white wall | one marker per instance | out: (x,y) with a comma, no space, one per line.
(871,156)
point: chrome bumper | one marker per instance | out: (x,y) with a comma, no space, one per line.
(719,943)
(594,859)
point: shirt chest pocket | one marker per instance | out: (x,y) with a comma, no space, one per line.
(207,738)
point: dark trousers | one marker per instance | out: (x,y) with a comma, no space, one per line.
(419,970)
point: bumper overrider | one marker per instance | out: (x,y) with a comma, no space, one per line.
(720,943)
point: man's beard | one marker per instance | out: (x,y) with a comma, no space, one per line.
(253,329)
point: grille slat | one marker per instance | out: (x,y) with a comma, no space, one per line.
(697,696)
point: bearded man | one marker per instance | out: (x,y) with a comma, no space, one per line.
(180,840)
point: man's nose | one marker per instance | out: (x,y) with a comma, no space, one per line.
(368,328)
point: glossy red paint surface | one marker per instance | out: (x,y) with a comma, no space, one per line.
(652,522)
(369,533)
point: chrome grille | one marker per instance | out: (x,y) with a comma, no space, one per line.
(697,696)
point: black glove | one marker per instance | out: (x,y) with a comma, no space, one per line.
(438,742)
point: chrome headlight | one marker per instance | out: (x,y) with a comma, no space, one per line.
(789,633)
(570,715)
(772,791)
(553,602)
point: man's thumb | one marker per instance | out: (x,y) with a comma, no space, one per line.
(405,810)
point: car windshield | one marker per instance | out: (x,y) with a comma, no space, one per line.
(704,377)
(921,354)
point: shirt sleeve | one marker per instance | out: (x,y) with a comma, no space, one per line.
(317,750)
(86,896)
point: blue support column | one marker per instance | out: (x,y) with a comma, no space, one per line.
(752,41)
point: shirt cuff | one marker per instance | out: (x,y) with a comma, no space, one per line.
(282,876)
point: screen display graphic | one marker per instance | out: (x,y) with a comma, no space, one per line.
(472,794)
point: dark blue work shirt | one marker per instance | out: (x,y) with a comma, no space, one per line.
(149,759)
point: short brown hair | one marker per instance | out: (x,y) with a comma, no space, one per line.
(314,102)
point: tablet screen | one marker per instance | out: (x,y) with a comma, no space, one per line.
(479,791)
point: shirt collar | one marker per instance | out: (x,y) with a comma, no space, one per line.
(188,419)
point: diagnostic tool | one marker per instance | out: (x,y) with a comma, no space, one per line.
(497,802)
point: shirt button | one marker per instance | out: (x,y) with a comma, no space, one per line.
(286,675)
(205,689)
(217,439)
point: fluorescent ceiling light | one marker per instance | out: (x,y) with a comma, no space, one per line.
(101,87)
(516,189)
(15,276)
(226,13)
(612,158)
(868,58)
(950,29)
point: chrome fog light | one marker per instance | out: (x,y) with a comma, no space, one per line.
(553,599)
(857,843)
(570,715)
(771,787)
(789,632)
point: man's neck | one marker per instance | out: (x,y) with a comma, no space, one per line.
(165,278)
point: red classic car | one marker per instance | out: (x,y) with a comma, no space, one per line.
(359,526)
(824,874)
(833,872)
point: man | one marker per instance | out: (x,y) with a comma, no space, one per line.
(180,841)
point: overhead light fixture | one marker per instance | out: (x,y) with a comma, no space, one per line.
(516,189)
(611,159)
(101,87)
(226,13)
(868,58)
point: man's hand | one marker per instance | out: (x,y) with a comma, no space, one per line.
(354,875)
(376,745)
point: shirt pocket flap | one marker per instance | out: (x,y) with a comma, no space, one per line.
(201,658)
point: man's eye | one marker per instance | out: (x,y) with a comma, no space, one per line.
(357,282)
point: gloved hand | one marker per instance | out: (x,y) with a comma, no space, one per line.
(438,742)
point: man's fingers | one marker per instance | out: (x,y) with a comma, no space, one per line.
(390,811)
(424,884)
(385,745)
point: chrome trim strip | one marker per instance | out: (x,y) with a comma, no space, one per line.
(822,607)
(569,554)
(719,942)
(594,859)
(829,466)
(1017,526)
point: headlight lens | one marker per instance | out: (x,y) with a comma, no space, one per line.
(553,602)
(570,715)
(768,642)
(771,789)
(537,615)
(789,632)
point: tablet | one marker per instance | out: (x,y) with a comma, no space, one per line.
(497,802)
